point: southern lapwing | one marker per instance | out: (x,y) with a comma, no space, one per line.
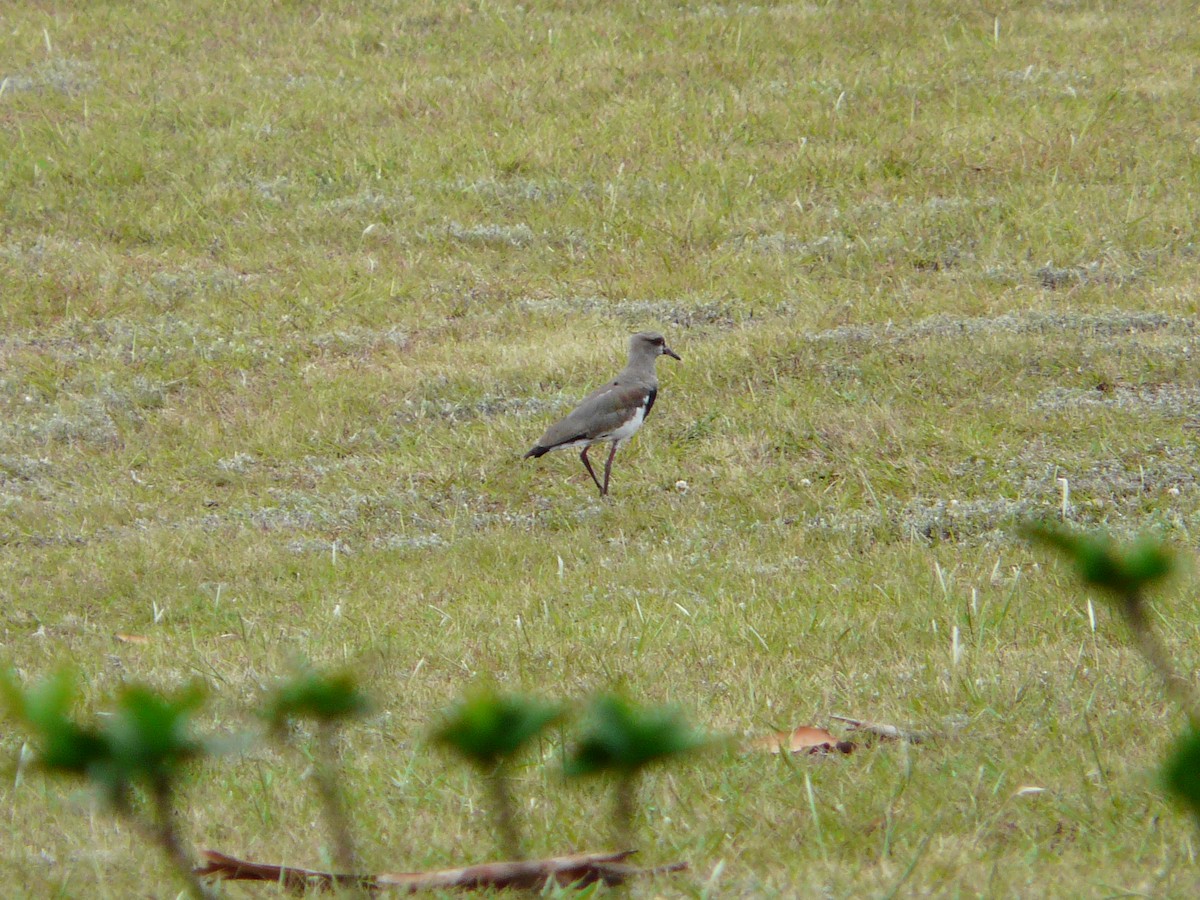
(611,413)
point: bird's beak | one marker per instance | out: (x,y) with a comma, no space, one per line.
(667,351)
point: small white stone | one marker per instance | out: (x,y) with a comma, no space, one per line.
(681,486)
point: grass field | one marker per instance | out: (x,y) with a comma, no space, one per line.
(288,288)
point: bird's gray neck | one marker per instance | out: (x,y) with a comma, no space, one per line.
(641,367)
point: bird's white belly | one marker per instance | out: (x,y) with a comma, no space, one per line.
(629,429)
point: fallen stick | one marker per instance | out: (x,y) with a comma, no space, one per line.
(887,732)
(579,869)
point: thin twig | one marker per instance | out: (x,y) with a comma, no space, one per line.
(624,810)
(331,798)
(506,819)
(1152,648)
(164,831)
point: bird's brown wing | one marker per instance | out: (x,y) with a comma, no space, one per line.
(602,412)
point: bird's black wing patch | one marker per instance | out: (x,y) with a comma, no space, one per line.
(542,449)
(650,395)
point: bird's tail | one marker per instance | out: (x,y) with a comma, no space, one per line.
(536,452)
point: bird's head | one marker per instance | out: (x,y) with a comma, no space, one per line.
(652,344)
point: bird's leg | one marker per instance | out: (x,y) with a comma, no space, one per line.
(608,468)
(587,465)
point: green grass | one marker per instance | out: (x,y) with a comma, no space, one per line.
(279,279)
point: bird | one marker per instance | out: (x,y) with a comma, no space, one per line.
(612,413)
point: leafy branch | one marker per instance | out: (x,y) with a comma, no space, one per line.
(623,740)
(1122,573)
(329,700)
(489,729)
(144,743)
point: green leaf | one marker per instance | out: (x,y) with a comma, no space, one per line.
(621,738)
(1124,571)
(149,733)
(488,727)
(1148,561)
(61,745)
(1181,773)
(314,695)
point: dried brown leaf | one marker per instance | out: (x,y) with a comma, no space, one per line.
(805,739)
